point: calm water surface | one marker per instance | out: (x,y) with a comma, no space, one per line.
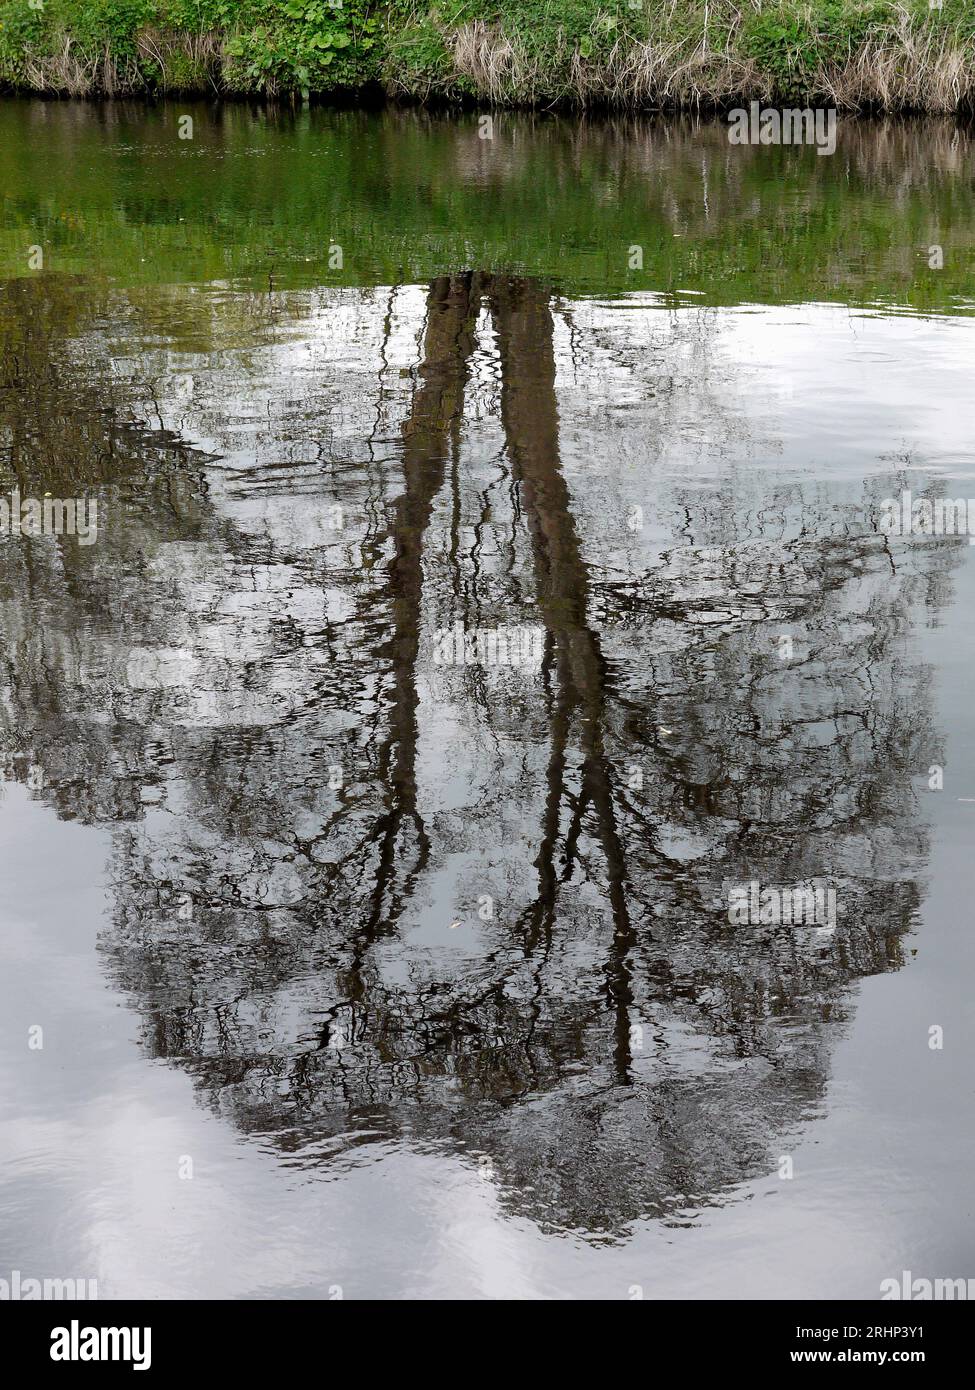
(361,971)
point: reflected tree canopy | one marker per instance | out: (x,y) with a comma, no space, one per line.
(309,813)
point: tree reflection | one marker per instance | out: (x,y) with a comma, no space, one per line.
(607,1037)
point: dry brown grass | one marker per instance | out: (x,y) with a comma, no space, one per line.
(71,72)
(902,66)
(181,56)
(186,62)
(669,73)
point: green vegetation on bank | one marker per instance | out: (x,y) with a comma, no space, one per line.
(888,55)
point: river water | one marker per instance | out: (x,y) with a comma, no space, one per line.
(335,966)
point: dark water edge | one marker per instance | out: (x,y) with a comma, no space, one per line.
(361,970)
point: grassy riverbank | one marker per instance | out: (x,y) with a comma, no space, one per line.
(882,55)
